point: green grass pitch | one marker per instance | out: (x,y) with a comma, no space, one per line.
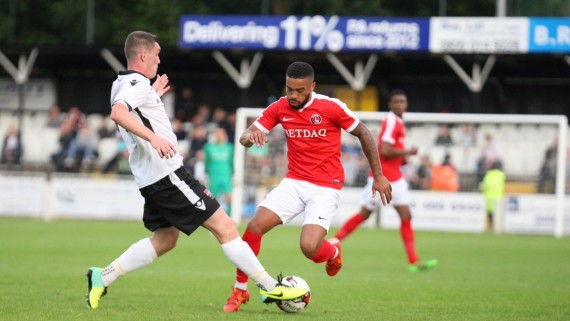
(480,276)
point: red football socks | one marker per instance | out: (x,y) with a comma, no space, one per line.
(349,226)
(407,234)
(326,252)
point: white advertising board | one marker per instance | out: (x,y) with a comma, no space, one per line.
(22,195)
(39,94)
(443,211)
(96,199)
(533,213)
(478,35)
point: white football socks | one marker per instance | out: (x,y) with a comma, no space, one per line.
(243,257)
(140,254)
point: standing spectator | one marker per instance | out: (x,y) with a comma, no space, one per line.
(444,137)
(547,175)
(12,146)
(493,187)
(219,159)
(490,153)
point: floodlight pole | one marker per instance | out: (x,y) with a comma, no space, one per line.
(501,8)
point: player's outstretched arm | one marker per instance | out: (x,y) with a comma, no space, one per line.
(381,183)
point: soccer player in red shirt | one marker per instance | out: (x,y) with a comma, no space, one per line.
(312,123)
(393,155)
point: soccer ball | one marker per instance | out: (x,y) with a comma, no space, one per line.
(298,304)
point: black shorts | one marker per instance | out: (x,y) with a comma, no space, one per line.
(177,200)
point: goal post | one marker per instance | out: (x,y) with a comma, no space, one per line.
(524,139)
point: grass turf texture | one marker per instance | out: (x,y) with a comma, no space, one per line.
(480,277)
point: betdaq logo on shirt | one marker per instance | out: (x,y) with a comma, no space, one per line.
(305,133)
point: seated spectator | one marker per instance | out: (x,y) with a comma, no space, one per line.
(55,117)
(444,177)
(82,149)
(104,131)
(466,136)
(423,174)
(443,137)
(178,129)
(230,126)
(12,146)
(219,117)
(66,135)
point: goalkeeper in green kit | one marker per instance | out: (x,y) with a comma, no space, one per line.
(218,158)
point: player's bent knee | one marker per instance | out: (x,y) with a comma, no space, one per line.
(309,249)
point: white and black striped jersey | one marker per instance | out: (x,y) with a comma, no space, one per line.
(133,90)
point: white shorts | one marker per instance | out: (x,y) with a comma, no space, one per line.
(400,194)
(292,197)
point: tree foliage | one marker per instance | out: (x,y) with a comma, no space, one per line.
(64,22)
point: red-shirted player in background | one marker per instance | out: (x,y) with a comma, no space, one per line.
(392,156)
(312,125)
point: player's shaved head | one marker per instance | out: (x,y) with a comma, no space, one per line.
(396,92)
(300,70)
(137,40)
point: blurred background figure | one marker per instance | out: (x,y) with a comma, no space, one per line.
(82,148)
(219,159)
(422,177)
(185,105)
(443,137)
(444,177)
(490,153)
(547,175)
(493,187)
(55,117)
(178,129)
(12,147)
(466,137)
(66,135)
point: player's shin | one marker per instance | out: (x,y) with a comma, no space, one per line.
(241,255)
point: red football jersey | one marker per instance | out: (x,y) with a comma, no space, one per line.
(393,131)
(313,137)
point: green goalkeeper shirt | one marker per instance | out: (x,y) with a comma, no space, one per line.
(218,159)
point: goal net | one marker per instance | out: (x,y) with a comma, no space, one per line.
(444,176)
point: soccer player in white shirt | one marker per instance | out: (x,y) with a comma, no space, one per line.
(312,124)
(174,200)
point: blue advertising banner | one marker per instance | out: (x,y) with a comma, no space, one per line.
(549,35)
(304,33)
